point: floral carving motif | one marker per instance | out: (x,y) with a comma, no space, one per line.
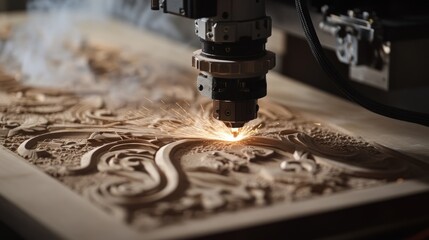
(124,159)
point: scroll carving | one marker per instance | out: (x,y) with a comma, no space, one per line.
(148,161)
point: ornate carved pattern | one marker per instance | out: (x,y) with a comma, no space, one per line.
(139,160)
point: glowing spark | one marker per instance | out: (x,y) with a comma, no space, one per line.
(148,100)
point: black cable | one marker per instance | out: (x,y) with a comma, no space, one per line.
(342,84)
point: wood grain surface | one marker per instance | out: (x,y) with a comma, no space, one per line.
(81,164)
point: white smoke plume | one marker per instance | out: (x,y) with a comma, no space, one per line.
(42,50)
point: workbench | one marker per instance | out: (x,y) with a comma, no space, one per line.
(28,196)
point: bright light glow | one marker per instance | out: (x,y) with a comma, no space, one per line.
(235,132)
(179,122)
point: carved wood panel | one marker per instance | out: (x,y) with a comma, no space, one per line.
(156,157)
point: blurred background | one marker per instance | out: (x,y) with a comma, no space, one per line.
(15,5)
(402,82)
(136,12)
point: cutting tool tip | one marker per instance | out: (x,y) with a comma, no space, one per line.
(235,131)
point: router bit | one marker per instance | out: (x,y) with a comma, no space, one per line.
(233,61)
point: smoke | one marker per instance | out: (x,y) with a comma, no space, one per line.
(43,49)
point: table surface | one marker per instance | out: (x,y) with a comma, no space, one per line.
(408,138)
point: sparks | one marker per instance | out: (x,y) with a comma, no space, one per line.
(180,122)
